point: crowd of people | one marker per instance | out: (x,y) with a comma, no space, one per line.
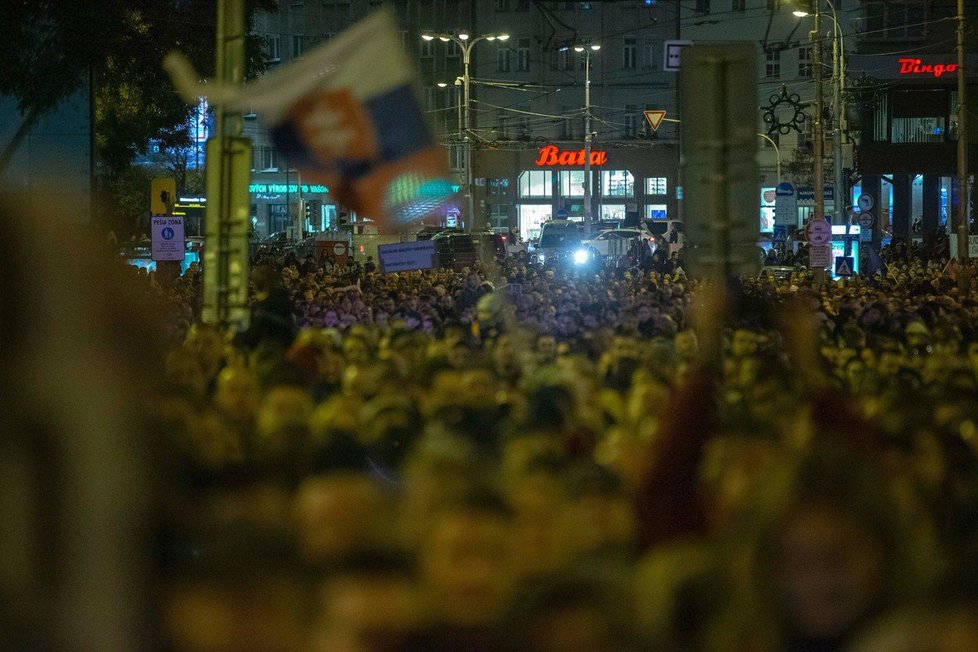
(528,457)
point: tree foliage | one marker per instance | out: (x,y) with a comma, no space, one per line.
(53,47)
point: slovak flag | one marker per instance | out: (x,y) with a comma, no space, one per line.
(347,115)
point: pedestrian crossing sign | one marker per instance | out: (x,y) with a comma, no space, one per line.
(843,265)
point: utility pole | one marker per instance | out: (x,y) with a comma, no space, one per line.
(587,141)
(838,117)
(818,154)
(964,276)
(228,173)
(586,50)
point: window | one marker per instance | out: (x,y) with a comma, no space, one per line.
(502,128)
(772,65)
(536,183)
(428,95)
(273,48)
(327,37)
(571,183)
(279,218)
(427,49)
(498,187)
(629,128)
(738,5)
(298,45)
(895,19)
(918,130)
(656,186)
(502,59)
(502,5)
(628,53)
(653,53)
(456,156)
(617,183)
(656,212)
(612,211)
(523,55)
(565,59)
(452,51)
(266,158)
(804,62)
(499,216)
(702,6)
(564,130)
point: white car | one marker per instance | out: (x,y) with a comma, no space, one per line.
(615,242)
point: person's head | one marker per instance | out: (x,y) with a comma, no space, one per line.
(338,514)
(466,560)
(369,601)
(836,553)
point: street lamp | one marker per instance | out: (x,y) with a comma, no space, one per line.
(465,43)
(838,112)
(587,49)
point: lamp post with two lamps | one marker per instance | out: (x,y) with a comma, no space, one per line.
(465,43)
(586,49)
(838,79)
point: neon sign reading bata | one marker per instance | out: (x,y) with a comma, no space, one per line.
(551,155)
(909,66)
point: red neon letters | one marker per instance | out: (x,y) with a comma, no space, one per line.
(910,66)
(551,155)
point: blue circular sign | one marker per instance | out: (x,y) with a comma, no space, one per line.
(167,233)
(561,214)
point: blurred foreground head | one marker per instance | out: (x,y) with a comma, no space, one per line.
(77,346)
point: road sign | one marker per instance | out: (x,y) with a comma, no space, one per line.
(785,204)
(844,265)
(819,256)
(780,233)
(655,118)
(671,54)
(865,202)
(866,219)
(162,196)
(561,214)
(168,241)
(865,235)
(818,232)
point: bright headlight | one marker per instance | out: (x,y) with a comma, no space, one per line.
(581,256)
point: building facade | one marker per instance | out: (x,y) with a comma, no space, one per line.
(526,95)
(904,77)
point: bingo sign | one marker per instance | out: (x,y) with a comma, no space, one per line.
(168,240)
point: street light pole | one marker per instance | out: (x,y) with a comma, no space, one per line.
(818,153)
(838,117)
(586,50)
(466,44)
(964,277)
(777,151)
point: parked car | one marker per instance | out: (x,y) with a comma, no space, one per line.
(615,242)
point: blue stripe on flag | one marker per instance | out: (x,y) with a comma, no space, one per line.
(296,152)
(401,127)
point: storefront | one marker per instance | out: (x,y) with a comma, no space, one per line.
(278,204)
(523,188)
(907,158)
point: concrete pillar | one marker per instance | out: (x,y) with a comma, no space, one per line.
(902,203)
(932,203)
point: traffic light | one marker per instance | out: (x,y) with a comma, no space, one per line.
(308,206)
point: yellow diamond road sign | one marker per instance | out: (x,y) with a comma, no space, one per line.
(655,118)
